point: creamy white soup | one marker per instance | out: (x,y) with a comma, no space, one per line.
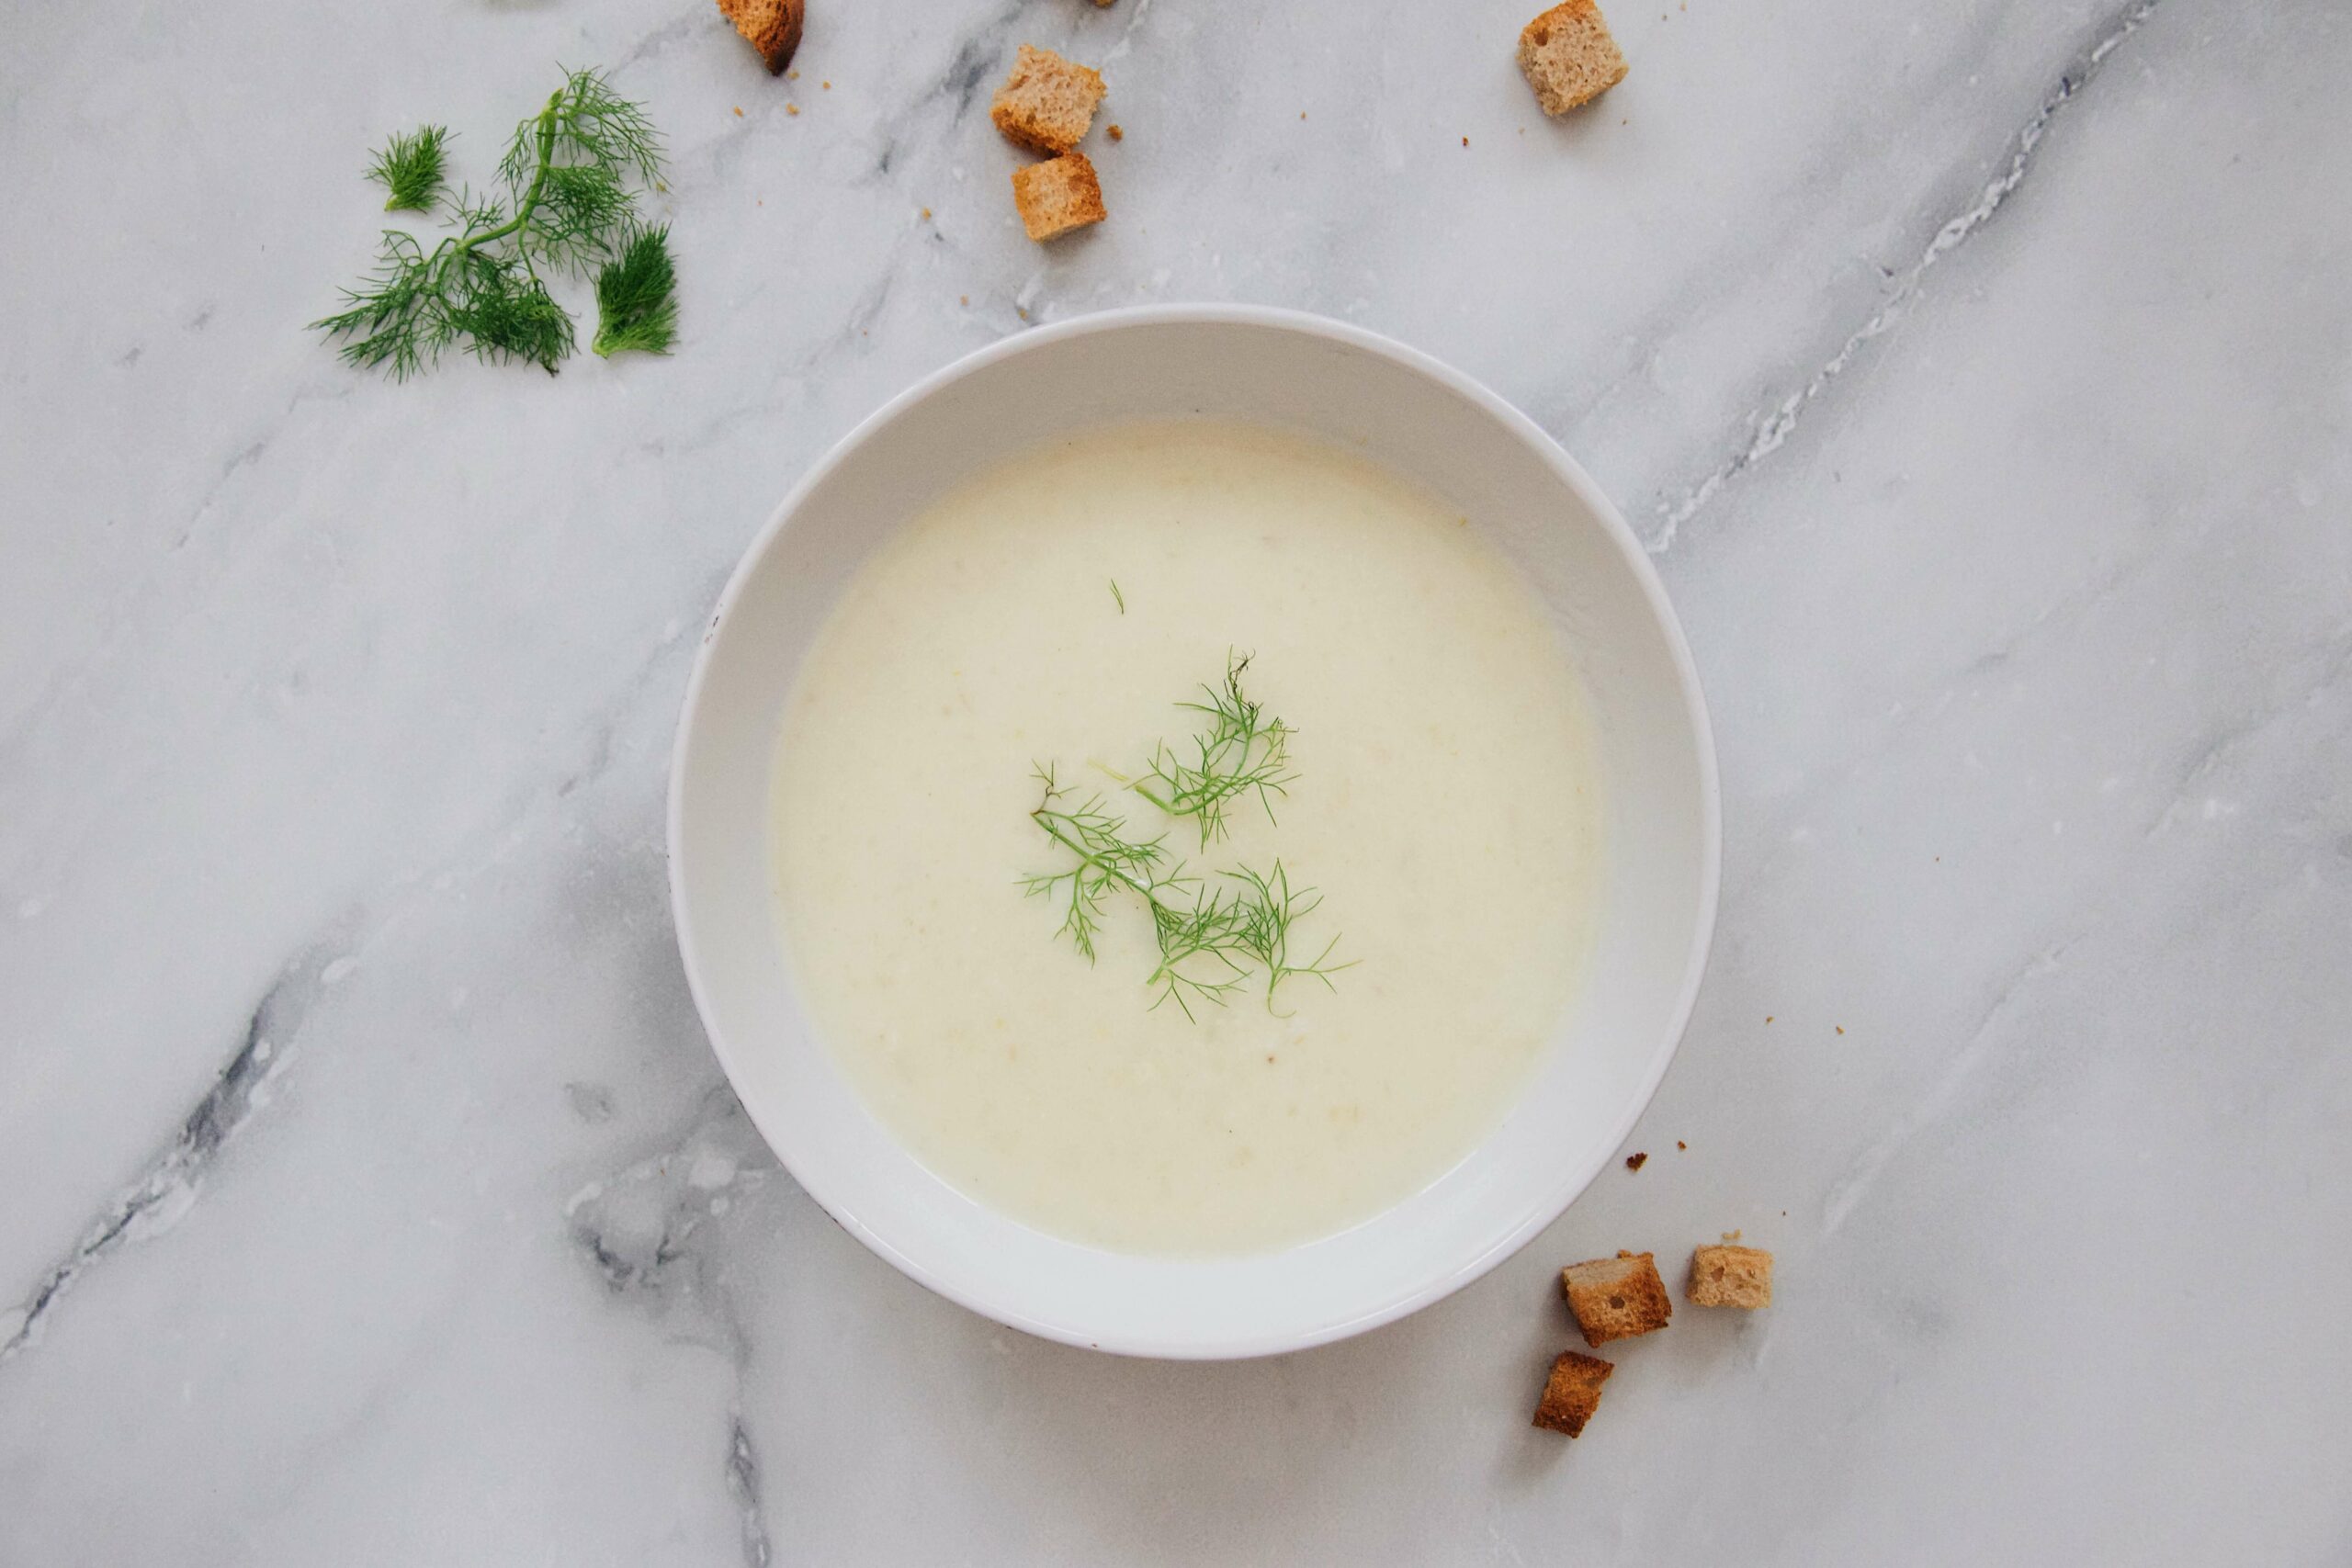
(1403,734)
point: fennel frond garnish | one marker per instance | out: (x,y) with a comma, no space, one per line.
(1214,936)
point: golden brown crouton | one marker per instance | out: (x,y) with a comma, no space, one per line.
(1731,1277)
(772,26)
(1047,103)
(1058,195)
(1569,57)
(1572,1393)
(1616,1298)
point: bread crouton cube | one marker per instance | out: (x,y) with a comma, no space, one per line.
(1731,1277)
(1058,195)
(1572,1393)
(1046,102)
(1568,57)
(1616,1298)
(772,27)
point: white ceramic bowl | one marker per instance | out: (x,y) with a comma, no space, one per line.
(1661,848)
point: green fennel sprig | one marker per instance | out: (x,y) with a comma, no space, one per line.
(570,176)
(1242,752)
(410,168)
(1106,861)
(1268,910)
(636,298)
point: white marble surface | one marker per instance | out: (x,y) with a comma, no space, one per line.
(1980,372)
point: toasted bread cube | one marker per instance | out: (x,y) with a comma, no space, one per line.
(1058,195)
(1731,1277)
(1572,1393)
(772,26)
(1047,103)
(1568,56)
(1616,1298)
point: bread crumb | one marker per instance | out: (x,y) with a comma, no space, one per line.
(1058,195)
(963,299)
(1636,1161)
(1681,1144)
(1572,1393)
(1465,141)
(827,85)
(792,109)
(1731,1235)
(1732,1277)
(1113,132)
(771,26)
(1568,56)
(739,112)
(1046,102)
(1616,1298)
(926,214)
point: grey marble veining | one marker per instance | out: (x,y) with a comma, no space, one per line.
(1981,376)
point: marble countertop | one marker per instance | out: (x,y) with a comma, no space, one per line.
(1980,375)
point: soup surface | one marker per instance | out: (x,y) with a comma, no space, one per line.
(1435,793)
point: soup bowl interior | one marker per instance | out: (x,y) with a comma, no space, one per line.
(1660,848)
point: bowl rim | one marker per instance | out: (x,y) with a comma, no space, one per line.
(1454,1275)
